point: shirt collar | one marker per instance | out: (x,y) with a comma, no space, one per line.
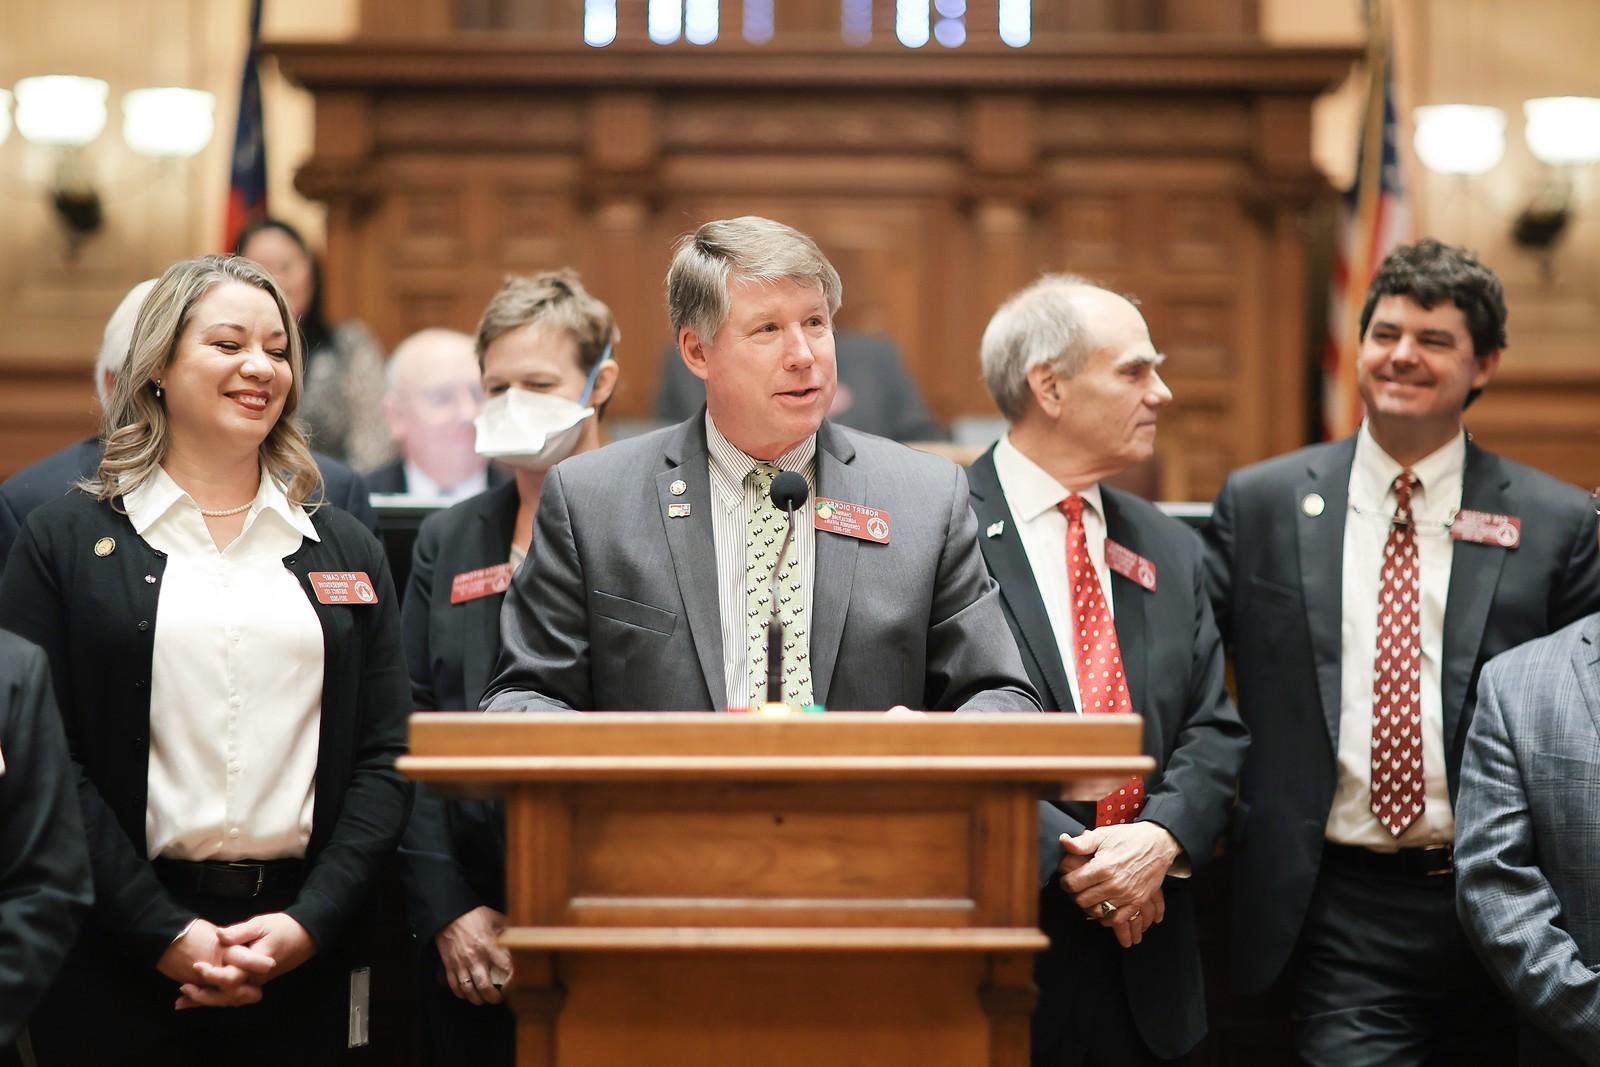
(1030,490)
(730,466)
(1375,470)
(158,494)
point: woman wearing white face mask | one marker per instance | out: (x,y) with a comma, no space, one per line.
(545,348)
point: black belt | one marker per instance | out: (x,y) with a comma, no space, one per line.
(236,880)
(1434,862)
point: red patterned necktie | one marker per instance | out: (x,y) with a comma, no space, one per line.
(1102,687)
(1397,783)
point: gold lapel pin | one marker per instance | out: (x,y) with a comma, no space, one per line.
(105,546)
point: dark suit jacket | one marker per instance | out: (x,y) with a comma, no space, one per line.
(93,615)
(1528,839)
(1173,659)
(45,887)
(616,608)
(452,856)
(1275,577)
(875,393)
(391,477)
(54,475)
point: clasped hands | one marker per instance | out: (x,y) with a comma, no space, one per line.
(1124,865)
(226,966)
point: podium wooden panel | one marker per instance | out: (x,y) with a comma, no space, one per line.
(728,889)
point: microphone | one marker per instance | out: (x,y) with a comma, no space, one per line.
(789,492)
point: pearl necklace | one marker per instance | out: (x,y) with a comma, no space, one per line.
(222,513)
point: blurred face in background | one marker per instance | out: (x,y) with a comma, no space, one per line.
(434,395)
(288,264)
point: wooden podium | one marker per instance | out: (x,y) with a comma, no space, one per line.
(814,891)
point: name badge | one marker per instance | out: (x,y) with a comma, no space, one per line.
(485,581)
(1484,528)
(852,520)
(1131,565)
(343,587)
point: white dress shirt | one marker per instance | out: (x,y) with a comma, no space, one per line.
(1434,501)
(733,502)
(235,682)
(1034,498)
(422,487)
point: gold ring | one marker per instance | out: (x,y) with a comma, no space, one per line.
(1107,909)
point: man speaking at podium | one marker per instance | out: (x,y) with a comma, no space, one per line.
(650,584)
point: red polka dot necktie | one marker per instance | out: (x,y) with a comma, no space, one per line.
(1397,782)
(1102,686)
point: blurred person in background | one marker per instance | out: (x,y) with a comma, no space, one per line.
(545,345)
(433,398)
(341,411)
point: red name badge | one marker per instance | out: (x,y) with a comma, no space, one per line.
(343,587)
(1131,565)
(1486,529)
(852,520)
(485,581)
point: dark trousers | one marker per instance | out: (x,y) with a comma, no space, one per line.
(110,1009)
(1082,1018)
(1384,975)
(459,1033)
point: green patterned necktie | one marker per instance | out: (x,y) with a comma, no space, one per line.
(763,538)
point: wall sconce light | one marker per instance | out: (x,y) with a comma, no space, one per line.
(66,113)
(1562,132)
(1460,138)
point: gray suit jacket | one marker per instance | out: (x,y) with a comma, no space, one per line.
(616,607)
(1528,839)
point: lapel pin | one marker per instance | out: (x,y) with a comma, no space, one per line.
(677,511)
(678,488)
(1312,504)
(996,529)
(105,546)
(149,579)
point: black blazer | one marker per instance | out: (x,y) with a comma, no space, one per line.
(45,887)
(94,617)
(54,475)
(1275,574)
(1173,658)
(452,856)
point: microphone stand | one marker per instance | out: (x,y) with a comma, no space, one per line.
(775,623)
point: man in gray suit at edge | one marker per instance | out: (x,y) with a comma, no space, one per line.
(646,588)
(1528,839)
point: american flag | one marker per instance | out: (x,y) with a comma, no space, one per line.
(247,184)
(1374,217)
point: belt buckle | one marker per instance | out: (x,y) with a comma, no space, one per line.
(261,875)
(1447,855)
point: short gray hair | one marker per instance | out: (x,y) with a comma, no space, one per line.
(117,337)
(1040,324)
(750,249)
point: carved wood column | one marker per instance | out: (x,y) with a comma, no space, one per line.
(621,152)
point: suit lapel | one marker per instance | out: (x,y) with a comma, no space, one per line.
(1128,600)
(1586,663)
(1008,563)
(1321,542)
(491,543)
(694,549)
(1474,576)
(834,568)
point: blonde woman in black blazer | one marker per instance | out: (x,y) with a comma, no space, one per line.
(186,759)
